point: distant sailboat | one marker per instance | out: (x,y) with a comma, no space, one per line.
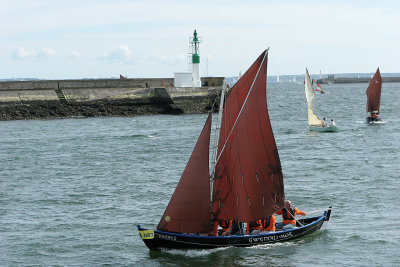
(278,80)
(374,98)
(319,89)
(314,122)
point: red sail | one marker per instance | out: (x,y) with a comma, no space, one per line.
(248,176)
(188,210)
(374,93)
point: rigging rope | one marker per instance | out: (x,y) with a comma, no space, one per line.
(295,218)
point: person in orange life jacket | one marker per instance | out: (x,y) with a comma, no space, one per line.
(228,228)
(289,216)
(269,224)
(234,228)
(254,228)
(264,225)
(259,226)
(215,225)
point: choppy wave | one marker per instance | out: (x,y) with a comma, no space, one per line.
(73,190)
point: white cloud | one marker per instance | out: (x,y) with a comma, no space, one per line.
(46,53)
(21,53)
(170,59)
(120,53)
(74,54)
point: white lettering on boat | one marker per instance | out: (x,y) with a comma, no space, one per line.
(166,237)
(270,237)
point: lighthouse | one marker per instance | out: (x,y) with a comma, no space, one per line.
(195,42)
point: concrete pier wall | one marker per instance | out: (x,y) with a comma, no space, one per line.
(340,80)
(115,97)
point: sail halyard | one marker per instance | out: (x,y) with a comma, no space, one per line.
(313,120)
(189,208)
(248,176)
(374,93)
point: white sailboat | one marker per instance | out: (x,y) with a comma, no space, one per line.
(315,123)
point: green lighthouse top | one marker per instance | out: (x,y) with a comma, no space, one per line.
(195,37)
(195,47)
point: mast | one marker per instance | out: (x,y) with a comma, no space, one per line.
(216,139)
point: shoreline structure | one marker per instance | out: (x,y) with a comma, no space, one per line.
(104,97)
(48,99)
(339,80)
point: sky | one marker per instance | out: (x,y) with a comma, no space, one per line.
(75,39)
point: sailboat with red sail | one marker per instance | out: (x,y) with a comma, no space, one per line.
(374,98)
(319,89)
(244,183)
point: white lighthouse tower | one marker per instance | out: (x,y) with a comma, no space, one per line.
(195,41)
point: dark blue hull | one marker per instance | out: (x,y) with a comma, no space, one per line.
(155,240)
(372,119)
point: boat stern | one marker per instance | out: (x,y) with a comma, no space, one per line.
(327,215)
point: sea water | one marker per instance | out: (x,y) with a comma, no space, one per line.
(73,190)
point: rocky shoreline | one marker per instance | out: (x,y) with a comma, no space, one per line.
(56,109)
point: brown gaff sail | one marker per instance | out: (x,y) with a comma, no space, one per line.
(248,175)
(374,93)
(189,208)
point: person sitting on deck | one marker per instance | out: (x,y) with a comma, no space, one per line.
(260,226)
(227,228)
(374,117)
(254,228)
(269,224)
(332,123)
(235,228)
(289,216)
(324,122)
(214,224)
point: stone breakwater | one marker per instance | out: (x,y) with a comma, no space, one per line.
(106,97)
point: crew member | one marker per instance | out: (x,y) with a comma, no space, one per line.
(254,227)
(269,224)
(289,215)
